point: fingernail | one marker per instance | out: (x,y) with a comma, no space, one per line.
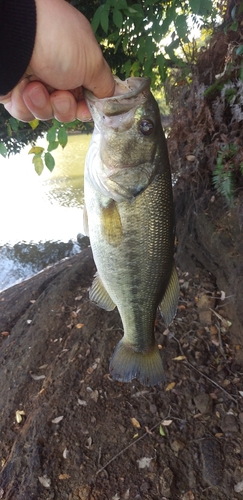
(38,98)
(62,106)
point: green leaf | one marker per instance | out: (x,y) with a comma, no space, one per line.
(52,145)
(239,50)
(162,66)
(38,163)
(122,4)
(34,123)
(117,18)
(51,134)
(49,161)
(161,431)
(135,68)
(14,124)
(206,7)
(195,6)
(233,12)
(62,136)
(3,149)
(36,150)
(96,19)
(104,18)
(181,26)
(234,26)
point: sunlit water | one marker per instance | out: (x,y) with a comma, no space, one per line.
(41,216)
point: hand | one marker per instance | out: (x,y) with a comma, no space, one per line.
(66,58)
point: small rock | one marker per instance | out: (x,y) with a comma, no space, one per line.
(188,496)
(153,408)
(212,461)
(241,417)
(229,424)
(144,487)
(165,481)
(238,487)
(177,446)
(203,403)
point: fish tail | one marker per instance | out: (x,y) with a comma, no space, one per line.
(127,364)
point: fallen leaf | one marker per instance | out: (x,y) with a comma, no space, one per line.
(144,462)
(57,419)
(88,443)
(148,430)
(179,358)
(81,402)
(79,297)
(161,431)
(37,377)
(18,416)
(135,423)
(191,157)
(226,382)
(45,481)
(5,334)
(92,368)
(94,395)
(166,422)
(170,386)
(63,476)
(79,325)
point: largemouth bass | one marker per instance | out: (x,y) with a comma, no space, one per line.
(129,218)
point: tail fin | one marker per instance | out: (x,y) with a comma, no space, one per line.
(127,364)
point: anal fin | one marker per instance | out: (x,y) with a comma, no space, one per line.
(100,296)
(169,303)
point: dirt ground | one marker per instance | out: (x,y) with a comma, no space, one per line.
(68,432)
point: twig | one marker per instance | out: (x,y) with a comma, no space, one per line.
(125,449)
(187,363)
(210,380)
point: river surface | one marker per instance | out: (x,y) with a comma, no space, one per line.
(41,217)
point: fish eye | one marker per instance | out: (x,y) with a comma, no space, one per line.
(146,127)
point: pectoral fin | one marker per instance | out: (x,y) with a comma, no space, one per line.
(168,305)
(100,296)
(111,224)
(85,221)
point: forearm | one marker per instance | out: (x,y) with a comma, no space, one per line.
(17,38)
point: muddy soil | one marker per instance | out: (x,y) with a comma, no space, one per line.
(69,432)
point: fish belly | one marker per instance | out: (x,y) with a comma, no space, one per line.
(132,244)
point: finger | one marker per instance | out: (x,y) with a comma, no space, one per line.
(102,83)
(37,99)
(64,105)
(15,104)
(83,113)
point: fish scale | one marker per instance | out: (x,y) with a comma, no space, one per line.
(130,221)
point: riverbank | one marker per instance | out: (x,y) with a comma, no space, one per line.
(68,431)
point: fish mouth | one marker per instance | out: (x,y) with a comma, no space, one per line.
(127,95)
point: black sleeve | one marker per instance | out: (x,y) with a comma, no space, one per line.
(17,38)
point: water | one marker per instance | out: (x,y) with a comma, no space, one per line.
(41,217)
